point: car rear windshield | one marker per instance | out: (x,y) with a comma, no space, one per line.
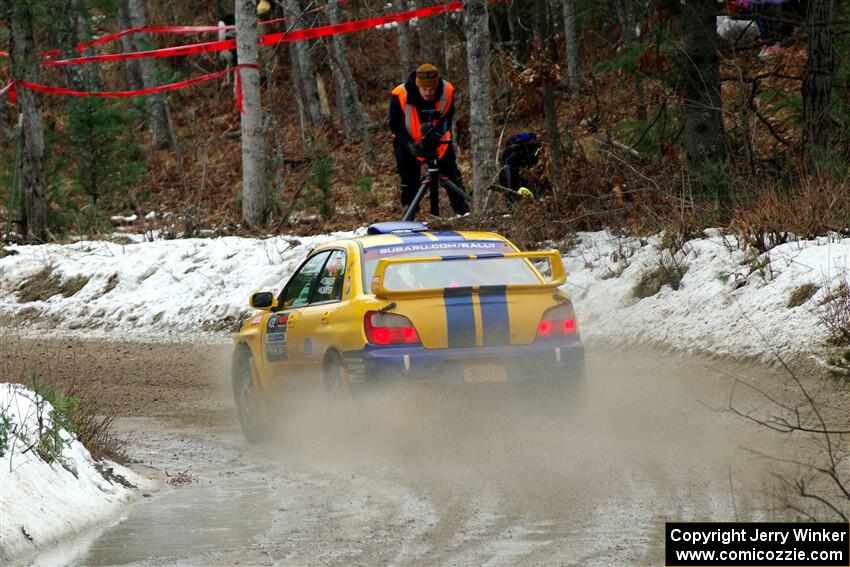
(451,273)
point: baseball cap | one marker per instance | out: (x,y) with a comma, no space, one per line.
(427,76)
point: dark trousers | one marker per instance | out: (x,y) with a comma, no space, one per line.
(410,172)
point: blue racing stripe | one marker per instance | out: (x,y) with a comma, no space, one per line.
(449,235)
(494,315)
(409,237)
(460,316)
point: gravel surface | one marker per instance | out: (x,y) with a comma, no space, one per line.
(416,474)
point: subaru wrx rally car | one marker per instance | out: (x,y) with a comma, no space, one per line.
(406,304)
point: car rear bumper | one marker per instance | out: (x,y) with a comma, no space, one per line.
(550,361)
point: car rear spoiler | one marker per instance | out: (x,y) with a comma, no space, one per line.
(557,278)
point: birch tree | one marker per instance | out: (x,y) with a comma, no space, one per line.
(298,95)
(477,33)
(403,31)
(704,136)
(305,65)
(571,44)
(31,185)
(157,113)
(253,141)
(817,80)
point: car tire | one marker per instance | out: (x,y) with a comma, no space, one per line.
(337,383)
(251,403)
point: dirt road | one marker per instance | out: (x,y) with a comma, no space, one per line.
(417,475)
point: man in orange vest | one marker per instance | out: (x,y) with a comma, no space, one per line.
(423,91)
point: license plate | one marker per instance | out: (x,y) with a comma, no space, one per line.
(477,373)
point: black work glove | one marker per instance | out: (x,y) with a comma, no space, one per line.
(415,149)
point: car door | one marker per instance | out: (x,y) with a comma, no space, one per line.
(281,341)
(315,331)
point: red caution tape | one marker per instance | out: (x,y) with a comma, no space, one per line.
(357,25)
(109,38)
(269,39)
(123,94)
(194,49)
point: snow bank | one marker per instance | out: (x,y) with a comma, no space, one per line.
(41,503)
(730,302)
(189,285)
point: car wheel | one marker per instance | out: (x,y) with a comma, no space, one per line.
(251,403)
(337,384)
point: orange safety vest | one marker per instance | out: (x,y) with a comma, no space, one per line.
(411,116)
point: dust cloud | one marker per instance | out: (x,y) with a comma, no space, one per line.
(635,423)
(473,474)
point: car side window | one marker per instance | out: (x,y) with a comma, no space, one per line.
(301,285)
(330,282)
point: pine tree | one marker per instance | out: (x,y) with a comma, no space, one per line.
(104,157)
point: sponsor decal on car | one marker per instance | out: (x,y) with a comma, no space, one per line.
(275,339)
(472,246)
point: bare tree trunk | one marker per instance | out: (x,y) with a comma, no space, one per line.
(403,30)
(628,20)
(66,30)
(253,140)
(305,66)
(427,34)
(571,45)
(549,108)
(817,82)
(625,17)
(31,172)
(295,73)
(703,107)
(156,105)
(477,32)
(519,16)
(5,127)
(352,111)
(91,73)
(132,72)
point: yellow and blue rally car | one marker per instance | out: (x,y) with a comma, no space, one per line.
(403,303)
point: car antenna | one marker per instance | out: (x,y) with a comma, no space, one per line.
(387,307)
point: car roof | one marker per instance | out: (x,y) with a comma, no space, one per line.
(427,236)
(372,240)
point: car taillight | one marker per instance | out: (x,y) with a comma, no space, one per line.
(557,322)
(389,329)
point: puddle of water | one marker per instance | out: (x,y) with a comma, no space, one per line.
(183,521)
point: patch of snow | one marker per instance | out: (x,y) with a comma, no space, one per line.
(187,285)
(119,218)
(730,302)
(729,28)
(41,503)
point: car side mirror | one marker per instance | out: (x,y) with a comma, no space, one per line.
(263,300)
